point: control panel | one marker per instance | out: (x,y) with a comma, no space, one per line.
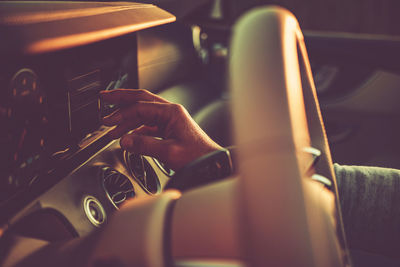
(50,108)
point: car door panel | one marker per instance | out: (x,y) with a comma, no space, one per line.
(360,101)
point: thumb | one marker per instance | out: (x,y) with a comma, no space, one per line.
(146,145)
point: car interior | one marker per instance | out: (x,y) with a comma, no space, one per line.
(293,86)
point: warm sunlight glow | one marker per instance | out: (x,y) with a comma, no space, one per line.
(86,38)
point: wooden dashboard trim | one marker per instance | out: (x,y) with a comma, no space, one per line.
(51,26)
(46,16)
(56,43)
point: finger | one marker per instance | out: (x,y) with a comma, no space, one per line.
(124,128)
(129,96)
(147,130)
(145,145)
(120,130)
(146,113)
(113,119)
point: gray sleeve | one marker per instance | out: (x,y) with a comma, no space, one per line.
(370,202)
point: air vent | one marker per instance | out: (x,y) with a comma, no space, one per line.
(164,168)
(117,186)
(142,172)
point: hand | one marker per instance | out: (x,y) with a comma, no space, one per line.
(161,129)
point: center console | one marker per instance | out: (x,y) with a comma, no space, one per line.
(60,174)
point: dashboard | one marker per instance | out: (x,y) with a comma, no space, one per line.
(50,105)
(61,176)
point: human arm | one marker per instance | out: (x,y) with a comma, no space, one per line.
(152,126)
(369,198)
